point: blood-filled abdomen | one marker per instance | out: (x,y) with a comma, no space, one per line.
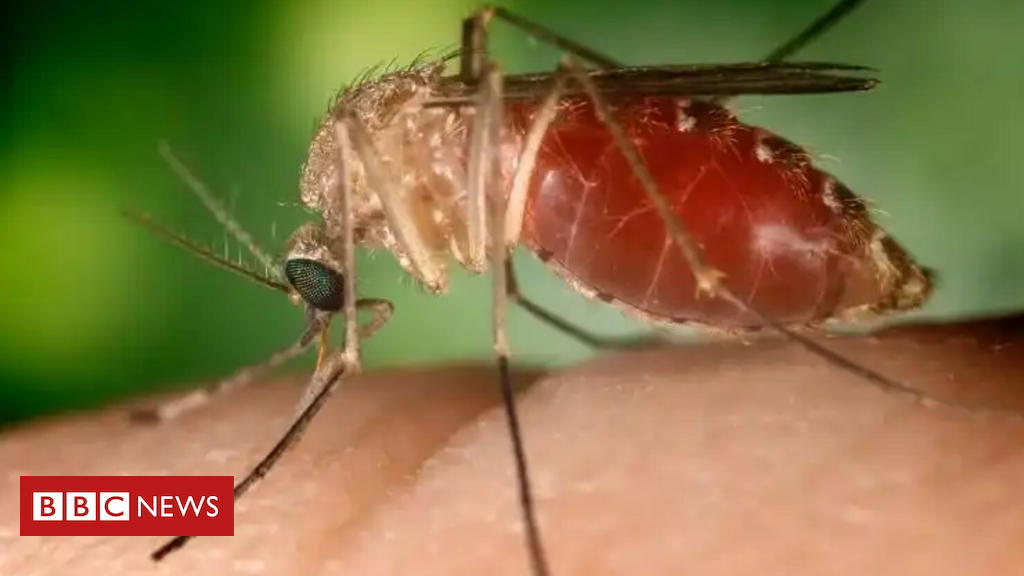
(792,241)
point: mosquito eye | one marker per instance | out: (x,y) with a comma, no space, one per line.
(321,287)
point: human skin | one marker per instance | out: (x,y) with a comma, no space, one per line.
(712,460)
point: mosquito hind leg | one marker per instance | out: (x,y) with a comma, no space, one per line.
(571,329)
(814,30)
(809,34)
(475,40)
(485,181)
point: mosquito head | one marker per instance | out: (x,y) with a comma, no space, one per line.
(314,274)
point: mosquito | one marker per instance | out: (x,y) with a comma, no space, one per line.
(634,183)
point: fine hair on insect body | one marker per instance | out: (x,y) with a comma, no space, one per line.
(743,234)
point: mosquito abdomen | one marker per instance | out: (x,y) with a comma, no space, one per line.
(793,242)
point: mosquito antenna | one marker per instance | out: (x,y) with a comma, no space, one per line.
(217,209)
(203,252)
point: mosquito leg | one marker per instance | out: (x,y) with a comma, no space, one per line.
(474,33)
(325,381)
(381,311)
(809,34)
(514,213)
(341,363)
(346,240)
(499,258)
(485,183)
(482,188)
(570,329)
(543,118)
(815,30)
(404,214)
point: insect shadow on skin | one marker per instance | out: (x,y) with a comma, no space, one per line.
(514,160)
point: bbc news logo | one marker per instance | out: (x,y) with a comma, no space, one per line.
(127,506)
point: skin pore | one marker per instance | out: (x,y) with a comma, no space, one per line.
(711,459)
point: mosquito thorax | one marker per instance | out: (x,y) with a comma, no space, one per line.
(422,151)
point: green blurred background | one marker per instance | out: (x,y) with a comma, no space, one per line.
(93,308)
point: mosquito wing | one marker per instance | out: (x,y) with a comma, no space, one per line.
(691,80)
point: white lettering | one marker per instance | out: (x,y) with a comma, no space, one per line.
(144,504)
(114,505)
(166,507)
(210,502)
(190,503)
